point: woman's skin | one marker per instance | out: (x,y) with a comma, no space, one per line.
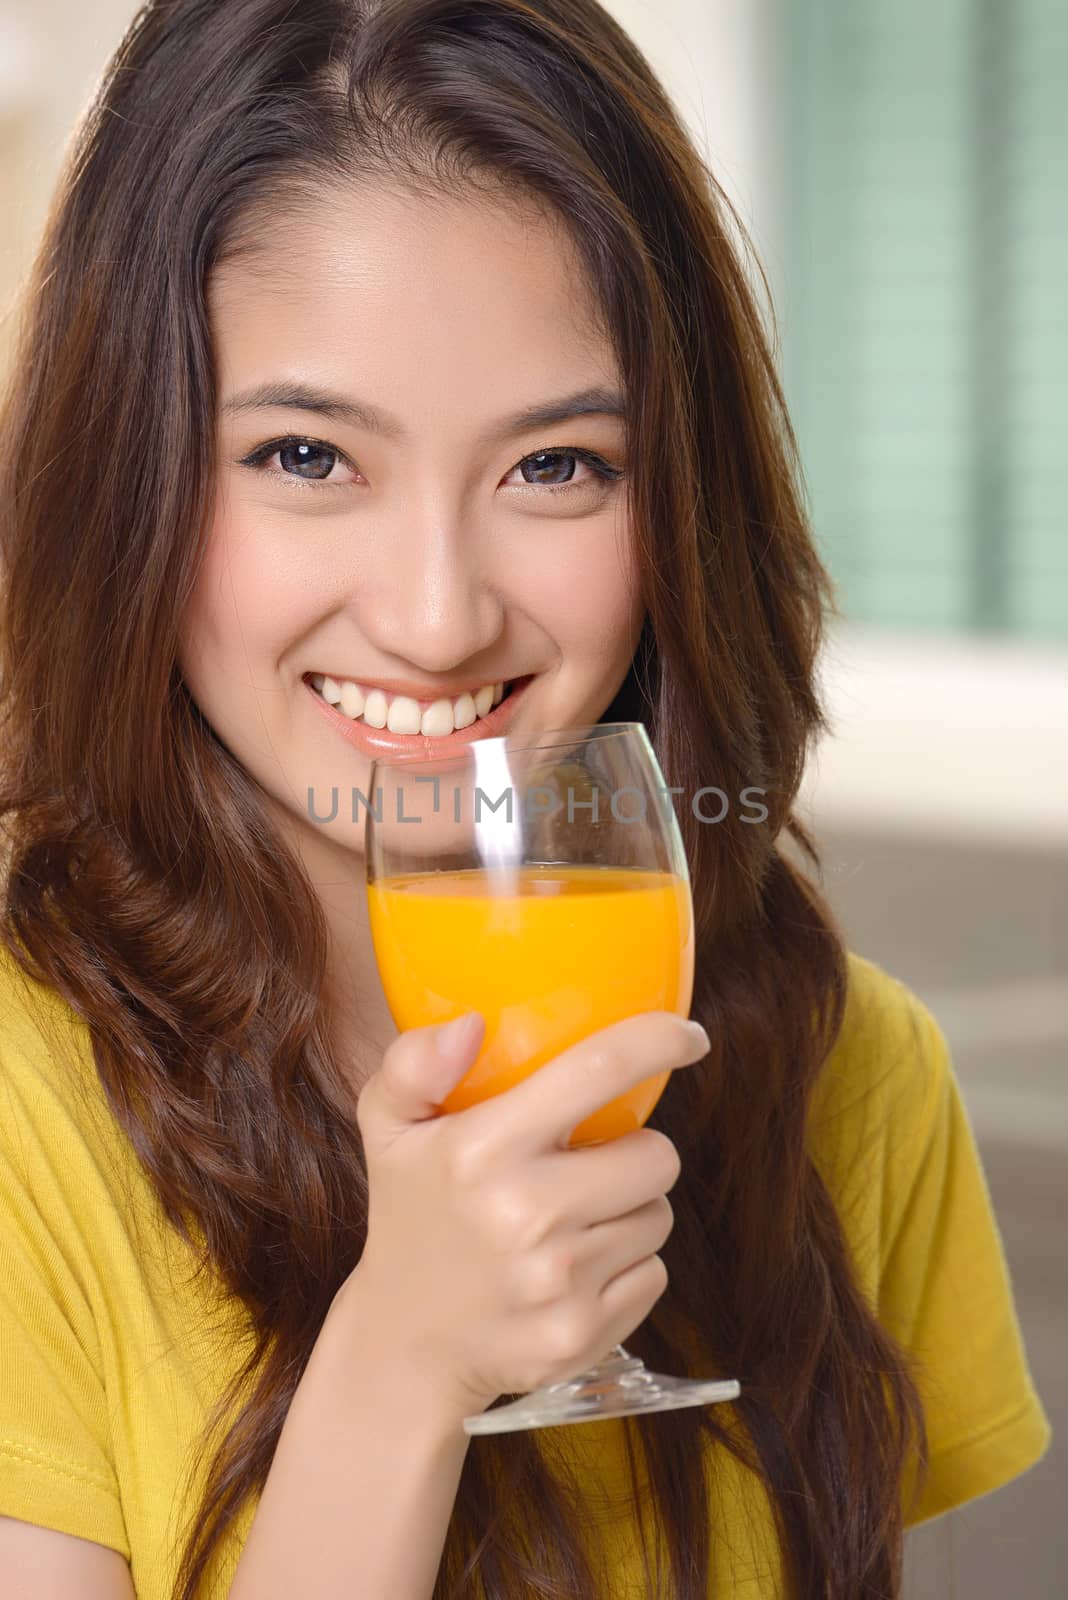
(432,560)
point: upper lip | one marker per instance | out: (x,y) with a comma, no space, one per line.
(418,691)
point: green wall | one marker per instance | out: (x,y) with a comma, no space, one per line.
(926,326)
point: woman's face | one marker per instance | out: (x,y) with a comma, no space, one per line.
(412,560)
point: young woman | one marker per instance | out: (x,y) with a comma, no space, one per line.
(381,355)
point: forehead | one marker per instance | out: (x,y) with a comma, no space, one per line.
(446,314)
(386,278)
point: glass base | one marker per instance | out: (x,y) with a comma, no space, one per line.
(618,1386)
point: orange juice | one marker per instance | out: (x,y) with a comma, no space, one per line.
(571,950)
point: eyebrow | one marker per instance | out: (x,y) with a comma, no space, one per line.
(359,414)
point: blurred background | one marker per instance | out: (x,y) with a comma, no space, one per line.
(903,173)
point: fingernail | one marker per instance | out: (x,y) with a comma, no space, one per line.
(456,1036)
(699,1036)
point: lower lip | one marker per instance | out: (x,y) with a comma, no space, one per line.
(380,742)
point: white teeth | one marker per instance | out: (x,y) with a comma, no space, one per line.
(404,716)
(352,699)
(375,710)
(437,720)
(463,712)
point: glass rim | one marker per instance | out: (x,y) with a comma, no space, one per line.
(548,739)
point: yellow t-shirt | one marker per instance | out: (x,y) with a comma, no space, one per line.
(110,1358)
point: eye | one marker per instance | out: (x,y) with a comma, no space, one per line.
(309,461)
(555,469)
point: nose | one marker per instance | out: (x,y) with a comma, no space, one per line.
(430,598)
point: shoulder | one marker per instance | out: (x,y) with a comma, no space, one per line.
(886,1082)
(52,1107)
(891,1133)
(34,1019)
(889,1059)
(889,1040)
(57,1464)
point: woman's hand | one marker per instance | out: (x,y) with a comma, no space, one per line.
(497,1259)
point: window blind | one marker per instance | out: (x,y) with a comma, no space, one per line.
(926,335)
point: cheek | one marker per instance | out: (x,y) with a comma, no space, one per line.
(586,597)
(246,607)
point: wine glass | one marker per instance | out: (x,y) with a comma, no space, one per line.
(542,882)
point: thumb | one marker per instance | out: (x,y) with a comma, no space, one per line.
(421,1067)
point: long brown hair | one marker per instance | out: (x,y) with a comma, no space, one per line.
(147,884)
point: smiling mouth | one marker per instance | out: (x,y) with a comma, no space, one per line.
(401,714)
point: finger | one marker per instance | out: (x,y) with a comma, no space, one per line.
(418,1070)
(597,1183)
(541,1112)
(613,1247)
